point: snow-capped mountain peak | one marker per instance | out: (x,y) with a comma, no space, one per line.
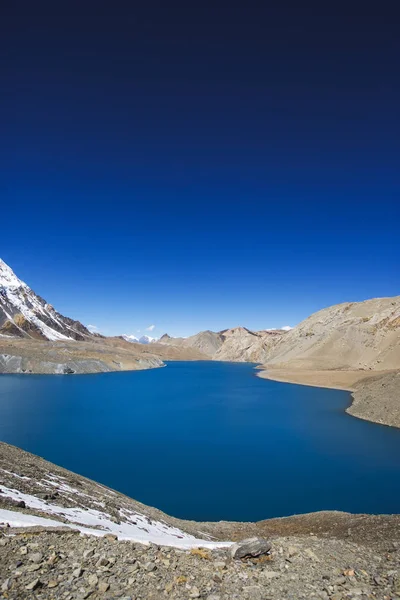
(8,278)
(25,314)
(144,339)
(130,338)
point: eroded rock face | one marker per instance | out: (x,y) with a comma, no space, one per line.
(254,547)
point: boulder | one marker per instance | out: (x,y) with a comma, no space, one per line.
(251,547)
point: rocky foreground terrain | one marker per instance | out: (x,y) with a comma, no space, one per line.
(64,536)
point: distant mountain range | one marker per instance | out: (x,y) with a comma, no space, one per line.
(353,335)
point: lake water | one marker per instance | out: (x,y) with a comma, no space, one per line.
(207,440)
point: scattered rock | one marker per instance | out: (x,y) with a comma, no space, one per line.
(250,547)
(36,557)
(103,587)
(33,585)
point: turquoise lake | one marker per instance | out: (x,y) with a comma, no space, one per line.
(207,440)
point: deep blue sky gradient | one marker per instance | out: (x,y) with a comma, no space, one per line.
(203,166)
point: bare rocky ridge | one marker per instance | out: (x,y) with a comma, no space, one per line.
(327,555)
(242,345)
(207,342)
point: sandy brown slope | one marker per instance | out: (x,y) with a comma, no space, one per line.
(207,342)
(353,335)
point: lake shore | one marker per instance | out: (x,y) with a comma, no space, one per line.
(375,394)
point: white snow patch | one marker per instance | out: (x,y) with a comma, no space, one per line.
(137,527)
(15,475)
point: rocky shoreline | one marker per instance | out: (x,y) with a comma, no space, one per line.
(375,395)
(320,556)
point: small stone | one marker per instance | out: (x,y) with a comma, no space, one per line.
(250,547)
(271,574)
(111,537)
(102,562)
(23,550)
(77,572)
(253,592)
(52,583)
(36,557)
(93,580)
(194,593)
(5,586)
(308,552)
(103,586)
(349,572)
(150,566)
(33,585)
(88,553)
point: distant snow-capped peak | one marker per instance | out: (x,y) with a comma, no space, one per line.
(144,339)
(130,338)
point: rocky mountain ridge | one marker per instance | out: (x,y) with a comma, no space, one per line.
(25,314)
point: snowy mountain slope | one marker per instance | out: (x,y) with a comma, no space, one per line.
(25,314)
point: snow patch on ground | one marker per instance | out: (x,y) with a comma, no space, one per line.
(136,527)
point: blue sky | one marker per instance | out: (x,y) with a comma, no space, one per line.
(193,173)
